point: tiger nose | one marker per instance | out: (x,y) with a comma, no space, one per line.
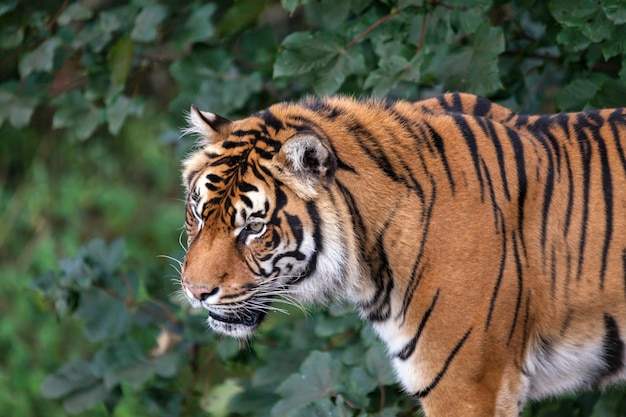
(200,293)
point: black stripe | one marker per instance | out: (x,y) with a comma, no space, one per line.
(470,141)
(498,217)
(482,107)
(607,191)
(496,287)
(270,120)
(522,182)
(520,287)
(370,145)
(424,392)
(415,279)
(322,108)
(440,147)
(624,268)
(617,117)
(570,196)
(585,154)
(379,307)
(490,132)
(612,347)
(409,348)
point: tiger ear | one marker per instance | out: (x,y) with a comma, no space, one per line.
(206,125)
(305,162)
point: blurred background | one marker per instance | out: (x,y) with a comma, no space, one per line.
(92,99)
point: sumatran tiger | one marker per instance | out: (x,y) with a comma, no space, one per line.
(486,248)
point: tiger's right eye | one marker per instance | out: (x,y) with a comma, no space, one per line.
(255,227)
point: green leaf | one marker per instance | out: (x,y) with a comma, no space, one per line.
(573,39)
(15,109)
(484,75)
(577,94)
(474,68)
(106,257)
(338,69)
(574,12)
(322,408)
(242,14)
(615,11)
(303,52)
(74,12)
(119,60)
(105,315)
(40,59)
(316,380)
(291,5)
(11,36)
(74,111)
(6,6)
(78,386)
(379,366)
(330,13)
(118,111)
(70,377)
(391,71)
(147,21)
(198,26)
(124,362)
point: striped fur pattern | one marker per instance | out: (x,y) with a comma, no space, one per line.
(487,248)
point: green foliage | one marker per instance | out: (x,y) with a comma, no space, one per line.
(86,90)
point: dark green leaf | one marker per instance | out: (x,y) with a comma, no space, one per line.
(7,6)
(615,11)
(379,366)
(71,377)
(40,59)
(16,110)
(146,23)
(577,94)
(344,64)
(330,13)
(574,12)
(198,26)
(242,14)
(77,385)
(119,60)
(11,36)
(291,5)
(573,39)
(105,315)
(74,111)
(74,12)
(303,52)
(118,111)
(124,362)
(316,380)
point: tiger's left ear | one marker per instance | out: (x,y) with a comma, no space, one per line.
(306,163)
(207,126)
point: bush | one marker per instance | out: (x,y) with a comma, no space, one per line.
(82,75)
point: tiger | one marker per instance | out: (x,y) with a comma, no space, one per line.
(486,248)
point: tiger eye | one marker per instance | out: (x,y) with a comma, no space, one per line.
(255,227)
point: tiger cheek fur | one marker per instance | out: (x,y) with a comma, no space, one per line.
(486,248)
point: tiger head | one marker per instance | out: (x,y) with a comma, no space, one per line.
(260,219)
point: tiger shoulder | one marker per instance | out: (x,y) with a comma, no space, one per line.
(486,248)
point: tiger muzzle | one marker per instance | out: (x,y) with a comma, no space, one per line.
(247,318)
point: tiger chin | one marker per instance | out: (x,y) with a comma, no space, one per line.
(486,248)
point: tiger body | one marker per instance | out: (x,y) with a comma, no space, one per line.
(487,248)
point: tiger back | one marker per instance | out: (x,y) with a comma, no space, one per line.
(487,248)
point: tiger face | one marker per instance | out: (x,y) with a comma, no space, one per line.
(250,237)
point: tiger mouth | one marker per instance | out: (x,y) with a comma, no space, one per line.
(249,318)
